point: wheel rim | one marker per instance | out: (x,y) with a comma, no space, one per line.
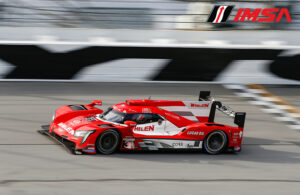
(108,142)
(215,141)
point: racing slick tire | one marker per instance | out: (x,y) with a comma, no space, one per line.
(215,142)
(108,142)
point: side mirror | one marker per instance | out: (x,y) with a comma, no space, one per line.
(130,124)
(159,121)
(96,102)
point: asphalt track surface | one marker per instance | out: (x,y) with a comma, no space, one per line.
(290,93)
(32,164)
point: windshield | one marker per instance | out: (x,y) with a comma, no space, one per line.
(113,116)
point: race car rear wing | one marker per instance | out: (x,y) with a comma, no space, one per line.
(239,117)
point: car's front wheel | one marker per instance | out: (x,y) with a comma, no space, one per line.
(215,142)
(108,142)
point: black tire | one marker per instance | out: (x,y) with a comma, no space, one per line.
(108,142)
(215,142)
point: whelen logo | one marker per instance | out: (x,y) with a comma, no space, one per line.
(221,14)
(199,105)
(146,128)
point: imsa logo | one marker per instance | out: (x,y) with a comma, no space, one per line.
(220,14)
(269,15)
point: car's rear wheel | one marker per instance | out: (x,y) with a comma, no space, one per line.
(215,142)
(108,142)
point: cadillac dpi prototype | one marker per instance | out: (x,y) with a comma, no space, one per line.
(146,125)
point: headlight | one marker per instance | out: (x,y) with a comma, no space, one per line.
(83,134)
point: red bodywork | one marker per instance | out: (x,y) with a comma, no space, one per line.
(68,120)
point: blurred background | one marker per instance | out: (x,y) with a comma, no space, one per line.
(135,14)
(143,23)
(146,40)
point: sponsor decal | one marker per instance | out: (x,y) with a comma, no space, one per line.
(240,134)
(155,144)
(221,14)
(145,128)
(130,110)
(176,144)
(269,15)
(199,105)
(128,144)
(237,148)
(66,128)
(195,133)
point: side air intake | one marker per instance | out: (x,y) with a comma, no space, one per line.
(77,107)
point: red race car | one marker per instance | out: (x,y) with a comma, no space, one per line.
(146,125)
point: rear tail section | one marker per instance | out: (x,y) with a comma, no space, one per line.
(204,109)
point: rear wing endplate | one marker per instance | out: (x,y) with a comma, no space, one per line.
(239,118)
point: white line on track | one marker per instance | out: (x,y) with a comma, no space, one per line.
(269,104)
